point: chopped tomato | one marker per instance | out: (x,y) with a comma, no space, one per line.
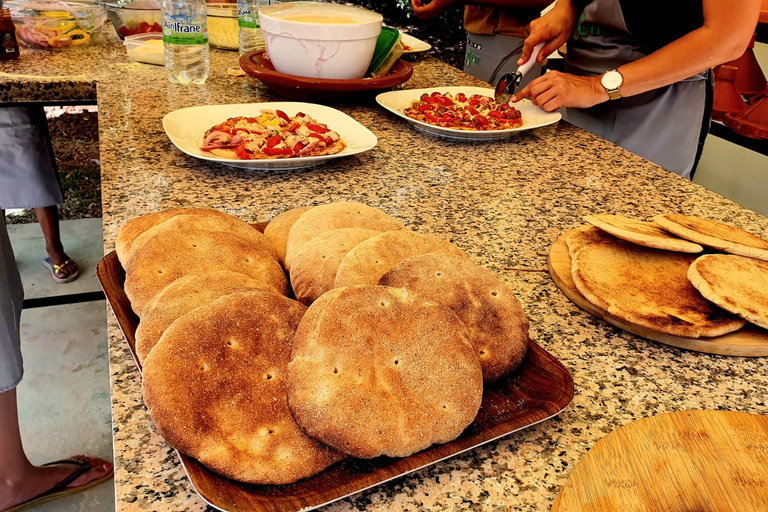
(317,136)
(317,128)
(445,100)
(277,151)
(298,147)
(474,102)
(480,120)
(473,111)
(425,107)
(328,141)
(436,94)
(461,97)
(274,141)
(282,115)
(496,114)
(430,99)
(300,114)
(242,153)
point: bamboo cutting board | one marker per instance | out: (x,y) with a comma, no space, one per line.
(750,340)
(690,461)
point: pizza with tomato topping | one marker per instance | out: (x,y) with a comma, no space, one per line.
(462,112)
(274,134)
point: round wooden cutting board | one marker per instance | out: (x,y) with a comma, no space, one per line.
(689,461)
(749,341)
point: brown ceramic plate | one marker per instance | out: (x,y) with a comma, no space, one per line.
(257,65)
(540,389)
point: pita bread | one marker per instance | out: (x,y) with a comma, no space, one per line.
(215,388)
(371,259)
(135,227)
(649,288)
(717,235)
(496,324)
(174,252)
(277,230)
(182,296)
(577,239)
(314,267)
(647,234)
(217,223)
(382,371)
(335,216)
(735,283)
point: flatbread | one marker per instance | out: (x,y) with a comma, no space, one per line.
(735,283)
(382,371)
(182,296)
(496,324)
(717,235)
(216,223)
(335,216)
(277,230)
(577,239)
(215,388)
(173,253)
(371,259)
(135,227)
(649,288)
(314,267)
(647,234)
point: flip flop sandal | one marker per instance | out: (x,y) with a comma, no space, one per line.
(56,269)
(60,490)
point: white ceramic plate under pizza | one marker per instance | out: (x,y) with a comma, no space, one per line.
(413,45)
(533,116)
(187,126)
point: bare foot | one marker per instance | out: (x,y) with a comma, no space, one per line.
(40,479)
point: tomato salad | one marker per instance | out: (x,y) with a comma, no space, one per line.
(273,134)
(462,112)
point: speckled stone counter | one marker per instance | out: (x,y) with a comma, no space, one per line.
(504,202)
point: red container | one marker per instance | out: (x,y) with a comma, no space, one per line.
(727,99)
(753,122)
(750,79)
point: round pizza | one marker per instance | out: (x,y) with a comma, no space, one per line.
(462,112)
(273,134)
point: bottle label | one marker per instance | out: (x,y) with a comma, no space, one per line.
(246,17)
(184,31)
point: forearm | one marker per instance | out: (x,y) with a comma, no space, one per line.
(723,37)
(512,4)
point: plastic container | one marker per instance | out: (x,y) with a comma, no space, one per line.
(147,48)
(135,18)
(53,25)
(185,38)
(223,31)
(389,48)
(321,40)
(251,37)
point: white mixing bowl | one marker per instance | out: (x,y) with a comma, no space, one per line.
(321,40)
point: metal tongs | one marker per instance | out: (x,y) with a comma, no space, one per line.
(509,83)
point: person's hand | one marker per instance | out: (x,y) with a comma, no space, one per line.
(427,9)
(556,90)
(554,29)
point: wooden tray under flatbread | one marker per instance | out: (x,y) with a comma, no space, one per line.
(679,461)
(750,340)
(540,389)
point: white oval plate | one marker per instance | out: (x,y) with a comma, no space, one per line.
(187,126)
(414,45)
(533,116)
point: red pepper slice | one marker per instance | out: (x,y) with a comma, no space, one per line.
(473,111)
(481,120)
(292,126)
(300,114)
(282,115)
(461,97)
(474,102)
(495,114)
(328,141)
(436,94)
(445,100)
(242,153)
(425,107)
(274,141)
(431,116)
(317,136)
(317,128)
(277,151)
(298,147)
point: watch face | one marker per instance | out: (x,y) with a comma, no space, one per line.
(611,80)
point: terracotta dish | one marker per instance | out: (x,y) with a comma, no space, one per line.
(257,65)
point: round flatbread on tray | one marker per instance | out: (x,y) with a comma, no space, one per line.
(271,135)
(215,388)
(577,239)
(717,235)
(382,371)
(372,258)
(496,324)
(735,283)
(647,234)
(650,288)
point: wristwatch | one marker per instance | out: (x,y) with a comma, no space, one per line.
(612,81)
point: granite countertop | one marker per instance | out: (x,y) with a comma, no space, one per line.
(504,202)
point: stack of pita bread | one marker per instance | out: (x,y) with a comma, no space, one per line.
(653,274)
(379,344)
